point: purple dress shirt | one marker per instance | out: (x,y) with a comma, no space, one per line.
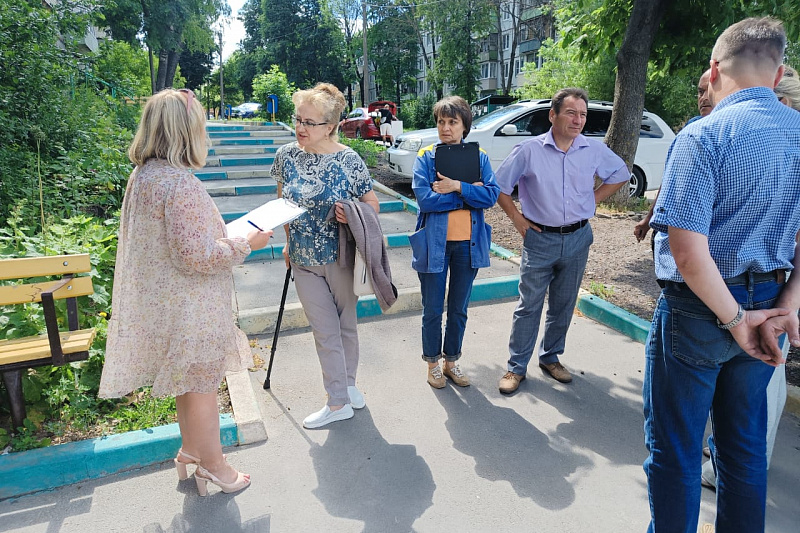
(556,188)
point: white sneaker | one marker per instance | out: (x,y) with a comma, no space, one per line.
(325,416)
(356,398)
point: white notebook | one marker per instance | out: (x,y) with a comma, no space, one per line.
(266,217)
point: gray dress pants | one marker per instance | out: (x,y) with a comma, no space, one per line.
(326,293)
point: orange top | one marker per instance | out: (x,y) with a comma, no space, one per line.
(459,225)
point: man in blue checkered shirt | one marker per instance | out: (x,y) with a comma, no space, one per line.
(728,216)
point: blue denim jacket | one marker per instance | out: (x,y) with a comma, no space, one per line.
(430,238)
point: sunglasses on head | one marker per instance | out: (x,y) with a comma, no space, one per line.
(189,98)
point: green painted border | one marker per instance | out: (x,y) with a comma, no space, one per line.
(64,464)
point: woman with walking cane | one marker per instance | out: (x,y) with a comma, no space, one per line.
(316,172)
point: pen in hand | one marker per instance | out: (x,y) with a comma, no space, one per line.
(253,224)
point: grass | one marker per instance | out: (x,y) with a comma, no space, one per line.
(601,290)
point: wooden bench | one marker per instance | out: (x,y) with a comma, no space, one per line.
(55,347)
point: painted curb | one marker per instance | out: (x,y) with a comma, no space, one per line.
(249,423)
(73,462)
(637,329)
(614,317)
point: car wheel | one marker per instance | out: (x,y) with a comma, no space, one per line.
(637,184)
(358,133)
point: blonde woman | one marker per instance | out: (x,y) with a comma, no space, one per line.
(316,172)
(172,325)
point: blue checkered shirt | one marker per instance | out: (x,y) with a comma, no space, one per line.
(735,178)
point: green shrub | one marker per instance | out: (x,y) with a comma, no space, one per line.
(274,82)
(368,150)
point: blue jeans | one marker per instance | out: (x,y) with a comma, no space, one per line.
(555,263)
(432,285)
(693,366)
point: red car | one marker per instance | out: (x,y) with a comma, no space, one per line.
(359,125)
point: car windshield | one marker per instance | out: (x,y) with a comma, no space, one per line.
(497,116)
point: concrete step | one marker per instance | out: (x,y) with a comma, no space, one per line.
(232,207)
(239,160)
(271,134)
(241,187)
(259,286)
(244,141)
(242,150)
(233,173)
(252,126)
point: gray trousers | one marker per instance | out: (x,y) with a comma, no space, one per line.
(326,293)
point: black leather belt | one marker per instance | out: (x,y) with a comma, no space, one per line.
(778,276)
(563,229)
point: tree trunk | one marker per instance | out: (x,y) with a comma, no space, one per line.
(152,71)
(172,66)
(629,88)
(161,77)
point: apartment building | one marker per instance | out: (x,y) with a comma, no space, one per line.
(499,52)
(521,28)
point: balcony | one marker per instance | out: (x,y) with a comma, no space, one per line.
(529,46)
(531,13)
(490,55)
(489,84)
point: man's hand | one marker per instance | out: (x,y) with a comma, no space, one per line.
(748,335)
(773,328)
(444,185)
(523,224)
(641,228)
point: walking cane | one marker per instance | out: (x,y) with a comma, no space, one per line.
(278,326)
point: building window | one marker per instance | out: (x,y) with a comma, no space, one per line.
(488,70)
(506,41)
(421,87)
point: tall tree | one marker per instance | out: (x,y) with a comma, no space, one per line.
(674,35)
(348,15)
(465,21)
(303,39)
(169,29)
(393,50)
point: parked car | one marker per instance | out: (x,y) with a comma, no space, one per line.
(246,110)
(499,131)
(361,122)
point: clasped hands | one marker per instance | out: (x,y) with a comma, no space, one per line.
(758,333)
(444,185)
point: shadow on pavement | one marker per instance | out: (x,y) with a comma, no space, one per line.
(214,513)
(506,447)
(363,477)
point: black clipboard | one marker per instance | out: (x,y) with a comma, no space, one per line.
(460,161)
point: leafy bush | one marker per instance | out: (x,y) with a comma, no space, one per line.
(274,82)
(60,399)
(417,113)
(368,150)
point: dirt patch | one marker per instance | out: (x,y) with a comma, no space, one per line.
(618,266)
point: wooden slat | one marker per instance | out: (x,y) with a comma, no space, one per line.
(55,265)
(35,348)
(32,292)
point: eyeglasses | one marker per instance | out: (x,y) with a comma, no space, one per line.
(307,123)
(189,98)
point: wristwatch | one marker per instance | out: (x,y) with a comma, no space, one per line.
(733,323)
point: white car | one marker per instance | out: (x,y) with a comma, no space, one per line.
(502,129)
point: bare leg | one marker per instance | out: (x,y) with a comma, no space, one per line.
(198,418)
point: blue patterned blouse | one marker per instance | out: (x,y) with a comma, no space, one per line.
(316,182)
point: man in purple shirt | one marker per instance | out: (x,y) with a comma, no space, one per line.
(555,173)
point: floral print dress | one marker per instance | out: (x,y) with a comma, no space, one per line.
(316,182)
(172,323)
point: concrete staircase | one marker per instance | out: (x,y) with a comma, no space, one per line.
(237,176)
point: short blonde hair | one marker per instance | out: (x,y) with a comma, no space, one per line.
(170,131)
(789,87)
(326,99)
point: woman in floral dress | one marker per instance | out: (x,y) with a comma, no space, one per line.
(172,324)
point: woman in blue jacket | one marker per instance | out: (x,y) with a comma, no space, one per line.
(450,234)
